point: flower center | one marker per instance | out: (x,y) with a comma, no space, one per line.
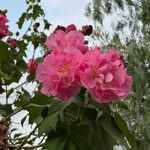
(64,69)
(65,80)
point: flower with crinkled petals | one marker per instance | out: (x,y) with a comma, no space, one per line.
(57,73)
(61,40)
(3,27)
(105,76)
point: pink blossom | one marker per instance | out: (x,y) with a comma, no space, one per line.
(32,66)
(12,42)
(3,27)
(71,27)
(105,76)
(57,73)
(61,40)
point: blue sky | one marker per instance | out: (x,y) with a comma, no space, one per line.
(58,12)
(62,12)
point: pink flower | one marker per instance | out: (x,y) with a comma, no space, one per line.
(57,74)
(71,27)
(62,40)
(32,66)
(12,42)
(3,27)
(105,76)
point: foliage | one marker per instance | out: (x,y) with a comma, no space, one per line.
(80,123)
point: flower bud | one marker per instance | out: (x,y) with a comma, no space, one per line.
(32,66)
(46,53)
(12,42)
(71,27)
(87,30)
(17,33)
(5,11)
(60,28)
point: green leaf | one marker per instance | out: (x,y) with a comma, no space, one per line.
(46,24)
(21,20)
(123,127)
(81,136)
(69,113)
(97,140)
(49,123)
(22,45)
(108,124)
(37,11)
(40,99)
(57,143)
(71,145)
(34,114)
(24,99)
(5,53)
(6,109)
(55,106)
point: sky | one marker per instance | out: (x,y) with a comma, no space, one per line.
(58,12)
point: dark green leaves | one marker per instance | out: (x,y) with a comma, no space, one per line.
(57,143)
(37,11)
(49,123)
(4,52)
(46,24)
(5,110)
(83,128)
(21,20)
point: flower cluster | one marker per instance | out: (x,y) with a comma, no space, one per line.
(3,26)
(70,64)
(4,32)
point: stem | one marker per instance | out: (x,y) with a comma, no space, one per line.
(15,112)
(78,115)
(26,30)
(42,140)
(33,53)
(71,115)
(24,147)
(25,140)
(20,85)
(6,95)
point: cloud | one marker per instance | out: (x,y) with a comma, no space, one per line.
(64,12)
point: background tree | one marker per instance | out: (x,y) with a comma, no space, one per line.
(129,32)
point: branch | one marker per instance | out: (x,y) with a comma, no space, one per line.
(15,112)
(24,147)
(20,85)
(26,30)
(25,140)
